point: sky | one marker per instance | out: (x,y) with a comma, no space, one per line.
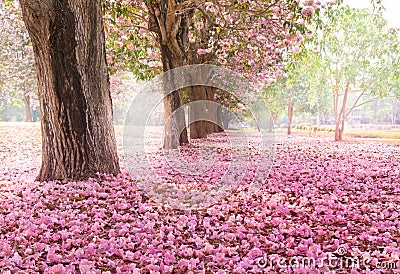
(392,13)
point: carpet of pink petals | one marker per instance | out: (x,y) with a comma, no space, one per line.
(319,196)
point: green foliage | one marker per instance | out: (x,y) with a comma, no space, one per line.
(352,58)
(297,87)
(357,46)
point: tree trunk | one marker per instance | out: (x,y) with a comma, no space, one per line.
(337,135)
(272,118)
(340,116)
(290,119)
(203,118)
(212,126)
(28,112)
(175,125)
(339,129)
(226,120)
(172,30)
(74,92)
(271,124)
(197,124)
(219,119)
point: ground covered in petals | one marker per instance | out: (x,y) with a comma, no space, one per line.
(322,200)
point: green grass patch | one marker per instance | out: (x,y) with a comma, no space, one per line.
(373,134)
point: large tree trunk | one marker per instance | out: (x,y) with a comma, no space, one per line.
(290,118)
(74,91)
(212,127)
(174,116)
(172,30)
(197,125)
(203,118)
(28,112)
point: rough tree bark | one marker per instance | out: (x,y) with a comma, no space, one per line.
(175,125)
(172,30)
(212,110)
(203,118)
(200,129)
(170,20)
(73,86)
(197,125)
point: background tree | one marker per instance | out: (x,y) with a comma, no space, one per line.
(357,56)
(249,37)
(17,69)
(73,88)
(294,91)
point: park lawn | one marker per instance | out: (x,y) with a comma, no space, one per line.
(374,134)
(321,198)
(392,137)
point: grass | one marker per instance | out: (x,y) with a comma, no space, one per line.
(374,134)
(379,134)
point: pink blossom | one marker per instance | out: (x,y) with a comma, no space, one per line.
(308,11)
(57,269)
(296,49)
(200,25)
(52,256)
(201,51)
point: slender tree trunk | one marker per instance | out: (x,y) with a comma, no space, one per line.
(341,130)
(340,116)
(290,118)
(337,131)
(73,86)
(271,124)
(28,112)
(272,118)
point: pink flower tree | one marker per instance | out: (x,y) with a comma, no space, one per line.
(249,37)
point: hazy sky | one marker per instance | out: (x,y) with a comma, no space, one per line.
(392,13)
